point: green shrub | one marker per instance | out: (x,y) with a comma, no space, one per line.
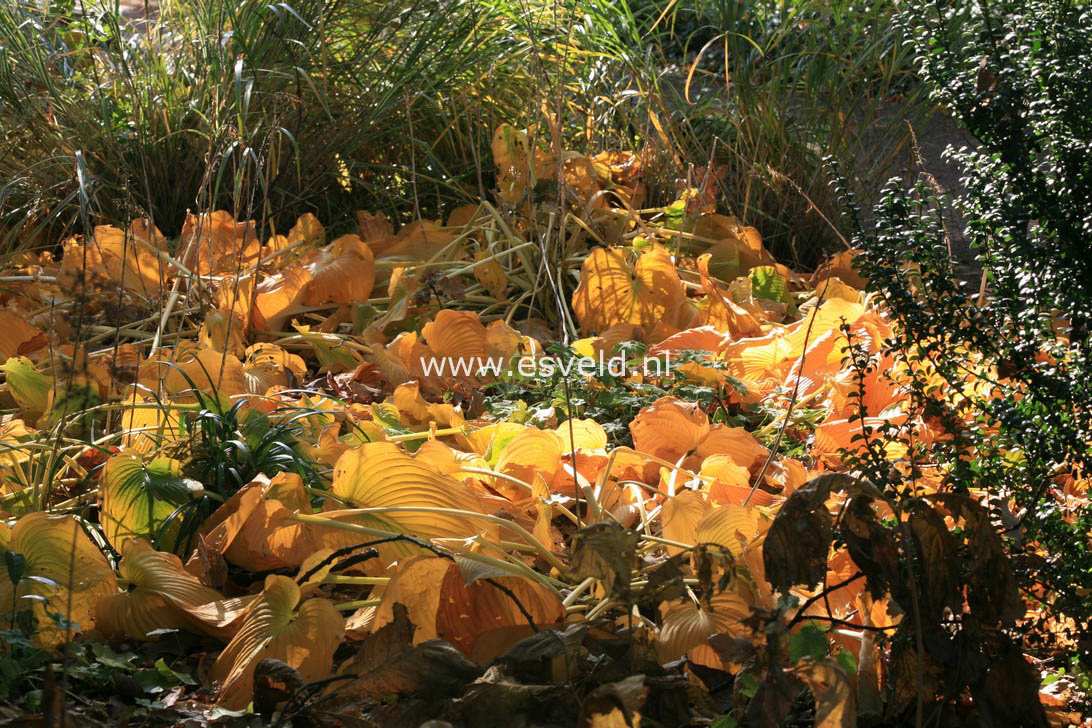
(1016,75)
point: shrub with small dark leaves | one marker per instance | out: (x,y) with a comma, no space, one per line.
(1016,74)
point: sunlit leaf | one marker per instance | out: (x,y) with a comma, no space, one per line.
(141,499)
(278,625)
(64,572)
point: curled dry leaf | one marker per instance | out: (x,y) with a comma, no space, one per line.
(687,626)
(216,243)
(163,595)
(462,601)
(342,272)
(17,337)
(277,625)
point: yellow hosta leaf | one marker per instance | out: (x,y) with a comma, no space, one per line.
(669,428)
(127,258)
(841,266)
(342,272)
(532,451)
(490,274)
(687,626)
(216,243)
(741,446)
(457,601)
(586,435)
(181,374)
(731,527)
(277,625)
(612,291)
(268,539)
(148,424)
(29,387)
(279,297)
(68,570)
(380,475)
(162,595)
(456,335)
(18,337)
(717,308)
(223,330)
(307,232)
(680,517)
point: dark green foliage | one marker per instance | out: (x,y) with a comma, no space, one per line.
(228,447)
(1016,74)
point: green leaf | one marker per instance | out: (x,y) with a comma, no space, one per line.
(29,387)
(810,641)
(140,499)
(847,662)
(767,283)
(106,656)
(16,565)
(161,677)
(724,721)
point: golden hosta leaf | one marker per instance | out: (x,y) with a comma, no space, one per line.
(736,248)
(611,291)
(418,241)
(490,274)
(687,625)
(148,424)
(732,527)
(731,482)
(586,435)
(139,498)
(279,297)
(342,272)
(180,374)
(741,446)
(29,387)
(773,353)
(307,232)
(841,266)
(162,595)
(460,602)
(267,539)
(456,335)
(532,451)
(380,475)
(17,337)
(669,428)
(216,243)
(61,568)
(129,259)
(223,330)
(680,517)
(835,697)
(277,625)
(373,227)
(718,309)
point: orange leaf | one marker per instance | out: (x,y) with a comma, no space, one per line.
(611,291)
(278,626)
(342,272)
